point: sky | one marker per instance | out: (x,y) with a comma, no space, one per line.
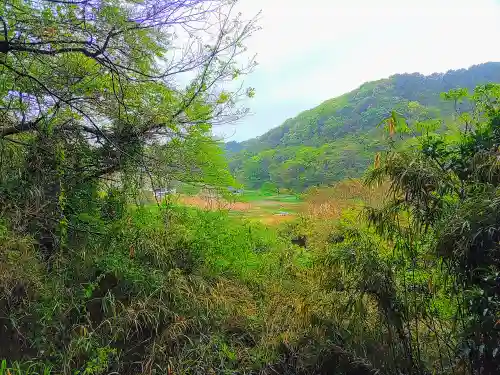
(311,51)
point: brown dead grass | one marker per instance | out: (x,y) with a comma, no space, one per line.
(214,203)
(257,210)
(325,205)
(329,203)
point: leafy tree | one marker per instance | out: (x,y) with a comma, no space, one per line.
(91,89)
(445,205)
(270,187)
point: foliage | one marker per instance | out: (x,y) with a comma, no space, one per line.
(94,91)
(95,278)
(199,293)
(444,206)
(172,289)
(339,138)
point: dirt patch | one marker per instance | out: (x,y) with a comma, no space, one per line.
(215,204)
(265,211)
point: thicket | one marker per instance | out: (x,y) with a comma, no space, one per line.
(397,277)
(95,278)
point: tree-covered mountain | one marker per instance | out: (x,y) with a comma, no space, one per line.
(338,138)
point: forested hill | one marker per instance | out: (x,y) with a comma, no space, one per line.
(338,138)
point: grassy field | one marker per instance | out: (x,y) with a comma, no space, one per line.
(268,208)
(326,203)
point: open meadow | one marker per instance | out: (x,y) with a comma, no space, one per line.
(270,209)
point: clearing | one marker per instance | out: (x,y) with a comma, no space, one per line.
(270,209)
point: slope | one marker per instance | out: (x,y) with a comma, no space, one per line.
(338,138)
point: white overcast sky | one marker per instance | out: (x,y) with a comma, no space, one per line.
(310,51)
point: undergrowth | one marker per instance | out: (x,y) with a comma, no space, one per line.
(159,291)
(177,290)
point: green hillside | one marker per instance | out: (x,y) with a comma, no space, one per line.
(338,138)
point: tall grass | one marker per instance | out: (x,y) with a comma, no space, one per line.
(172,289)
(175,290)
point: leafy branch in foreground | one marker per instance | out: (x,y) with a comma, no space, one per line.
(91,90)
(444,205)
